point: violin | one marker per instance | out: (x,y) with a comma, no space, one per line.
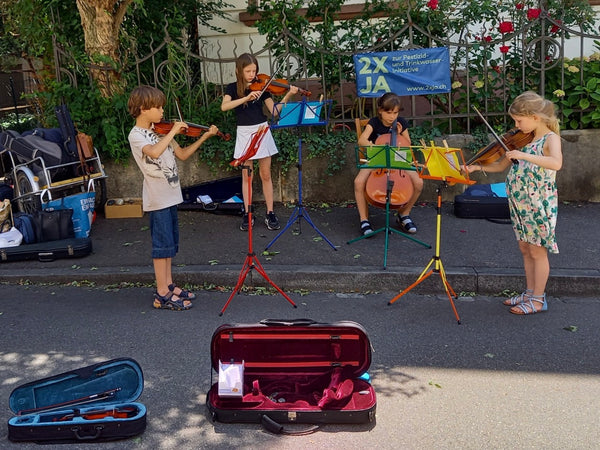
(192,130)
(115,413)
(273,85)
(513,139)
(376,187)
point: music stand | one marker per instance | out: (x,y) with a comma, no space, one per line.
(251,261)
(387,158)
(443,164)
(298,114)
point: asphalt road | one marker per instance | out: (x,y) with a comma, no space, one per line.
(494,381)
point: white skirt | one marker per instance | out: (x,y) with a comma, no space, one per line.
(244,136)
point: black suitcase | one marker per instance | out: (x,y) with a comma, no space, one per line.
(90,404)
(296,371)
(482,201)
(48,251)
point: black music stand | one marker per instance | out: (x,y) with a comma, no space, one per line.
(442,164)
(387,158)
(298,114)
(251,261)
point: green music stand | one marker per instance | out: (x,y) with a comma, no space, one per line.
(386,157)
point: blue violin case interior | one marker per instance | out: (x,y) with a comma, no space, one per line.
(90,404)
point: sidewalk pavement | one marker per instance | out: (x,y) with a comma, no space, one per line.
(478,256)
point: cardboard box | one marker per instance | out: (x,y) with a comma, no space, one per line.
(129,209)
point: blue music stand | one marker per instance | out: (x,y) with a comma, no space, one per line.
(298,114)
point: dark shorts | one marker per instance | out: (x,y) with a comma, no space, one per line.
(164,229)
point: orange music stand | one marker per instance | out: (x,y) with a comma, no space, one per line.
(442,164)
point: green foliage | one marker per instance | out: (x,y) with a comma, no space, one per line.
(19,123)
(490,35)
(316,143)
(579,103)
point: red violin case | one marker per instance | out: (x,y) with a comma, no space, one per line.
(90,404)
(294,371)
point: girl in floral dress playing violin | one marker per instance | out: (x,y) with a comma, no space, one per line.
(532,194)
(250,116)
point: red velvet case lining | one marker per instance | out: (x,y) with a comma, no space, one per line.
(304,368)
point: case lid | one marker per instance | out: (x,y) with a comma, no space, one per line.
(115,381)
(276,346)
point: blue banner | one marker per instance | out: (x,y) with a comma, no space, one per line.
(405,72)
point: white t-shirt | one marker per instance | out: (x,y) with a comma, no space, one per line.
(161,187)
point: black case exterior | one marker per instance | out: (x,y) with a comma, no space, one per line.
(54,409)
(48,251)
(480,202)
(303,352)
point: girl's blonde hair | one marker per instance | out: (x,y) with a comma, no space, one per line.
(145,97)
(530,103)
(245,59)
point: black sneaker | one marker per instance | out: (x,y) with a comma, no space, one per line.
(245,222)
(272,221)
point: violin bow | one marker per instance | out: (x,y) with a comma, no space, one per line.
(498,138)
(178,110)
(75,402)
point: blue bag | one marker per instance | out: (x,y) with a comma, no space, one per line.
(24,223)
(83,210)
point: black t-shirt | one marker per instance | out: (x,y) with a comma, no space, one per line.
(250,113)
(379,128)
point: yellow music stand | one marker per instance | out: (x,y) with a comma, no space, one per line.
(443,164)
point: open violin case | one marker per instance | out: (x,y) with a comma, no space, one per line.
(296,371)
(91,404)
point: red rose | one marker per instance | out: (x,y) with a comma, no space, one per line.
(504,48)
(556,28)
(487,38)
(433,4)
(520,6)
(496,69)
(533,13)
(506,27)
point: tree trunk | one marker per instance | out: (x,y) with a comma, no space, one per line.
(101,21)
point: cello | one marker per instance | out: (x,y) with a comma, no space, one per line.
(377,183)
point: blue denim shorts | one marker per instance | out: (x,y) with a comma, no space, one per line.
(164,229)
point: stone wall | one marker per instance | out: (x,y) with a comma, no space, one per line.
(579,179)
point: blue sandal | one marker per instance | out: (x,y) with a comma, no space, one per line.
(518,299)
(184,294)
(406,224)
(365,228)
(167,302)
(527,307)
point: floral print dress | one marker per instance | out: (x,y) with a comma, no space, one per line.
(533,199)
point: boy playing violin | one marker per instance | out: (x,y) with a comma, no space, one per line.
(155,156)
(388,110)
